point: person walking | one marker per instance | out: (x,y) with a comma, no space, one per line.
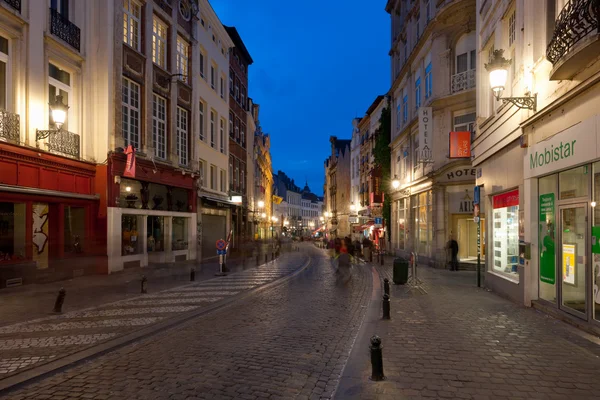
(453,248)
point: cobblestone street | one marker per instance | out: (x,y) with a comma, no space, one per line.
(289,341)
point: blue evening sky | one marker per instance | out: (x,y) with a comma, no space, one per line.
(317,65)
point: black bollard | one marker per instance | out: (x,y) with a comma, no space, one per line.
(386,306)
(386,286)
(60,299)
(376,359)
(192,275)
(144,284)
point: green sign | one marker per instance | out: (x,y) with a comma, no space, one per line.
(547,236)
(553,154)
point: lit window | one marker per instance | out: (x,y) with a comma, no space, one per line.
(159,125)
(131,112)
(182,136)
(159,43)
(512,28)
(131,23)
(183,49)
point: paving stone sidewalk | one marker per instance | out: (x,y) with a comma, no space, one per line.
(454,340)
(32,343)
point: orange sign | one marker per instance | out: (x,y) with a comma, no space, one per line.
(460,144)
(130,165)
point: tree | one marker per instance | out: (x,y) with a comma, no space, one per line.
(383,160)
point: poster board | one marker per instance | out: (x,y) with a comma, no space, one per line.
(569,263)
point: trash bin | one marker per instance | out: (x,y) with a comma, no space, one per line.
(400,271)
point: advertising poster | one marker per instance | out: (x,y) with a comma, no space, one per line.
(569,263)
(40,235)
(547,253)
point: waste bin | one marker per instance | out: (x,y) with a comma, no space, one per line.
(400,271)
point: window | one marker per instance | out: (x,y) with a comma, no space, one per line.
(401,223)
(418,18)
(182,136)
(231,172)
(506,234)
(222,135)
(131,23)
(131,226)
(423,226)
(398,113)
(202,64)
(428,81)
(159,126)
(59,84)
(243,135)
(222,87)
(183,49)
(4,73)
(237,90)
(231,124)
(405,108)
(231,75)
(511,28)
(236,176)
(202,172)
(179,237)
(223,181)
(418,92)
(13,242)
(60,6)
(405,52)
(428,11)
(243,177)
(465,123)
(212,129)
(243,101)
(404,165)
(237,129)
(213,177)
(212,76)
(130,103)
(201,121)
(416,163)
(159,43)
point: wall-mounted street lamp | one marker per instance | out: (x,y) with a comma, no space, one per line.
(58,112)
(352,206)
(498,70)
(261,204)
(396,182)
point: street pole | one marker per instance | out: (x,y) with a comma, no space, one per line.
(479,252)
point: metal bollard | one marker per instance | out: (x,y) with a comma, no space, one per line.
(144,284)
(386,286)
(386,306)
(60,299)
(376,359)
(192,275)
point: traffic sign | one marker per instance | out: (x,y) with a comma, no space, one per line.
(476,220)
(221,252)
(221,244)
(378,221)
(476,194)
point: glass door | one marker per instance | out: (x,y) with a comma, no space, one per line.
(572,261)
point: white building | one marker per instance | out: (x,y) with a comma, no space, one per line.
(433,57)
(355,164)
(537,154)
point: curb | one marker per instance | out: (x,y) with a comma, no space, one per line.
(19,380)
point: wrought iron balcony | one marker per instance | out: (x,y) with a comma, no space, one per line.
(64,29)
(16,4)
(10,127)
(463,81)
(61,141)
(576,21)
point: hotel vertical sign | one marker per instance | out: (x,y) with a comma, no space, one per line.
(425,134)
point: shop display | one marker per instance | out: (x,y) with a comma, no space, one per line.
(130,242)
(506,239)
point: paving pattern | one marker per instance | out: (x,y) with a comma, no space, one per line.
(290,341)
(29,344)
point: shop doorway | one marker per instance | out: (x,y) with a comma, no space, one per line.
(572,260)
(465,233)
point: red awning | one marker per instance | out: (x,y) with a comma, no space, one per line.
(361,228)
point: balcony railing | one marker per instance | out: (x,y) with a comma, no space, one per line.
(577,19)
(10,127)
(16,4)
(463,81)
(64,29)
(64,142)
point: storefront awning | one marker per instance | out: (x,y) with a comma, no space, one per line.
(217,202)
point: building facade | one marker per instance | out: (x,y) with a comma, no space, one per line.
(337,194)
(433,65)
(239,105)
(263,182)
(537,156)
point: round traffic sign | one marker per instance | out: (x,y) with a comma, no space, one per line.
(221,244)
(476,220)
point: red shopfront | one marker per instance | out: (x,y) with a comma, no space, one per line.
(52,223)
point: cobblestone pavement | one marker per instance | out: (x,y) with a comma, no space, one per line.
(35,301)
(290,341)
(32,343)
(453,340)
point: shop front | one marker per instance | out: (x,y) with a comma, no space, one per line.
(52,226)
(152,219)
(563,176)
(213,216)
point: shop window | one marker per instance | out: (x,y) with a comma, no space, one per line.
(156,233)
(596,242)
(401,224)
(74,229)
(423,226)
(574,183)
(130,227)
(180,237)
(12,232)
(547,236)
(505,244)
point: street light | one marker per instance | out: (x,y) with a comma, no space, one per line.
(261,204)
(352,206)
(498,70)
(58,112)
(396,182)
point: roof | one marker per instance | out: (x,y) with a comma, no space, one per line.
(375,103)
(238,42)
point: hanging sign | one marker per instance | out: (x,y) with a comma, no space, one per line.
(130,165)
(460,144)
(425,134)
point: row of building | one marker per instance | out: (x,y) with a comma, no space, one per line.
(127,137)
(494,141)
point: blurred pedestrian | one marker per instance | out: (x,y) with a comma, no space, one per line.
(452,246)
